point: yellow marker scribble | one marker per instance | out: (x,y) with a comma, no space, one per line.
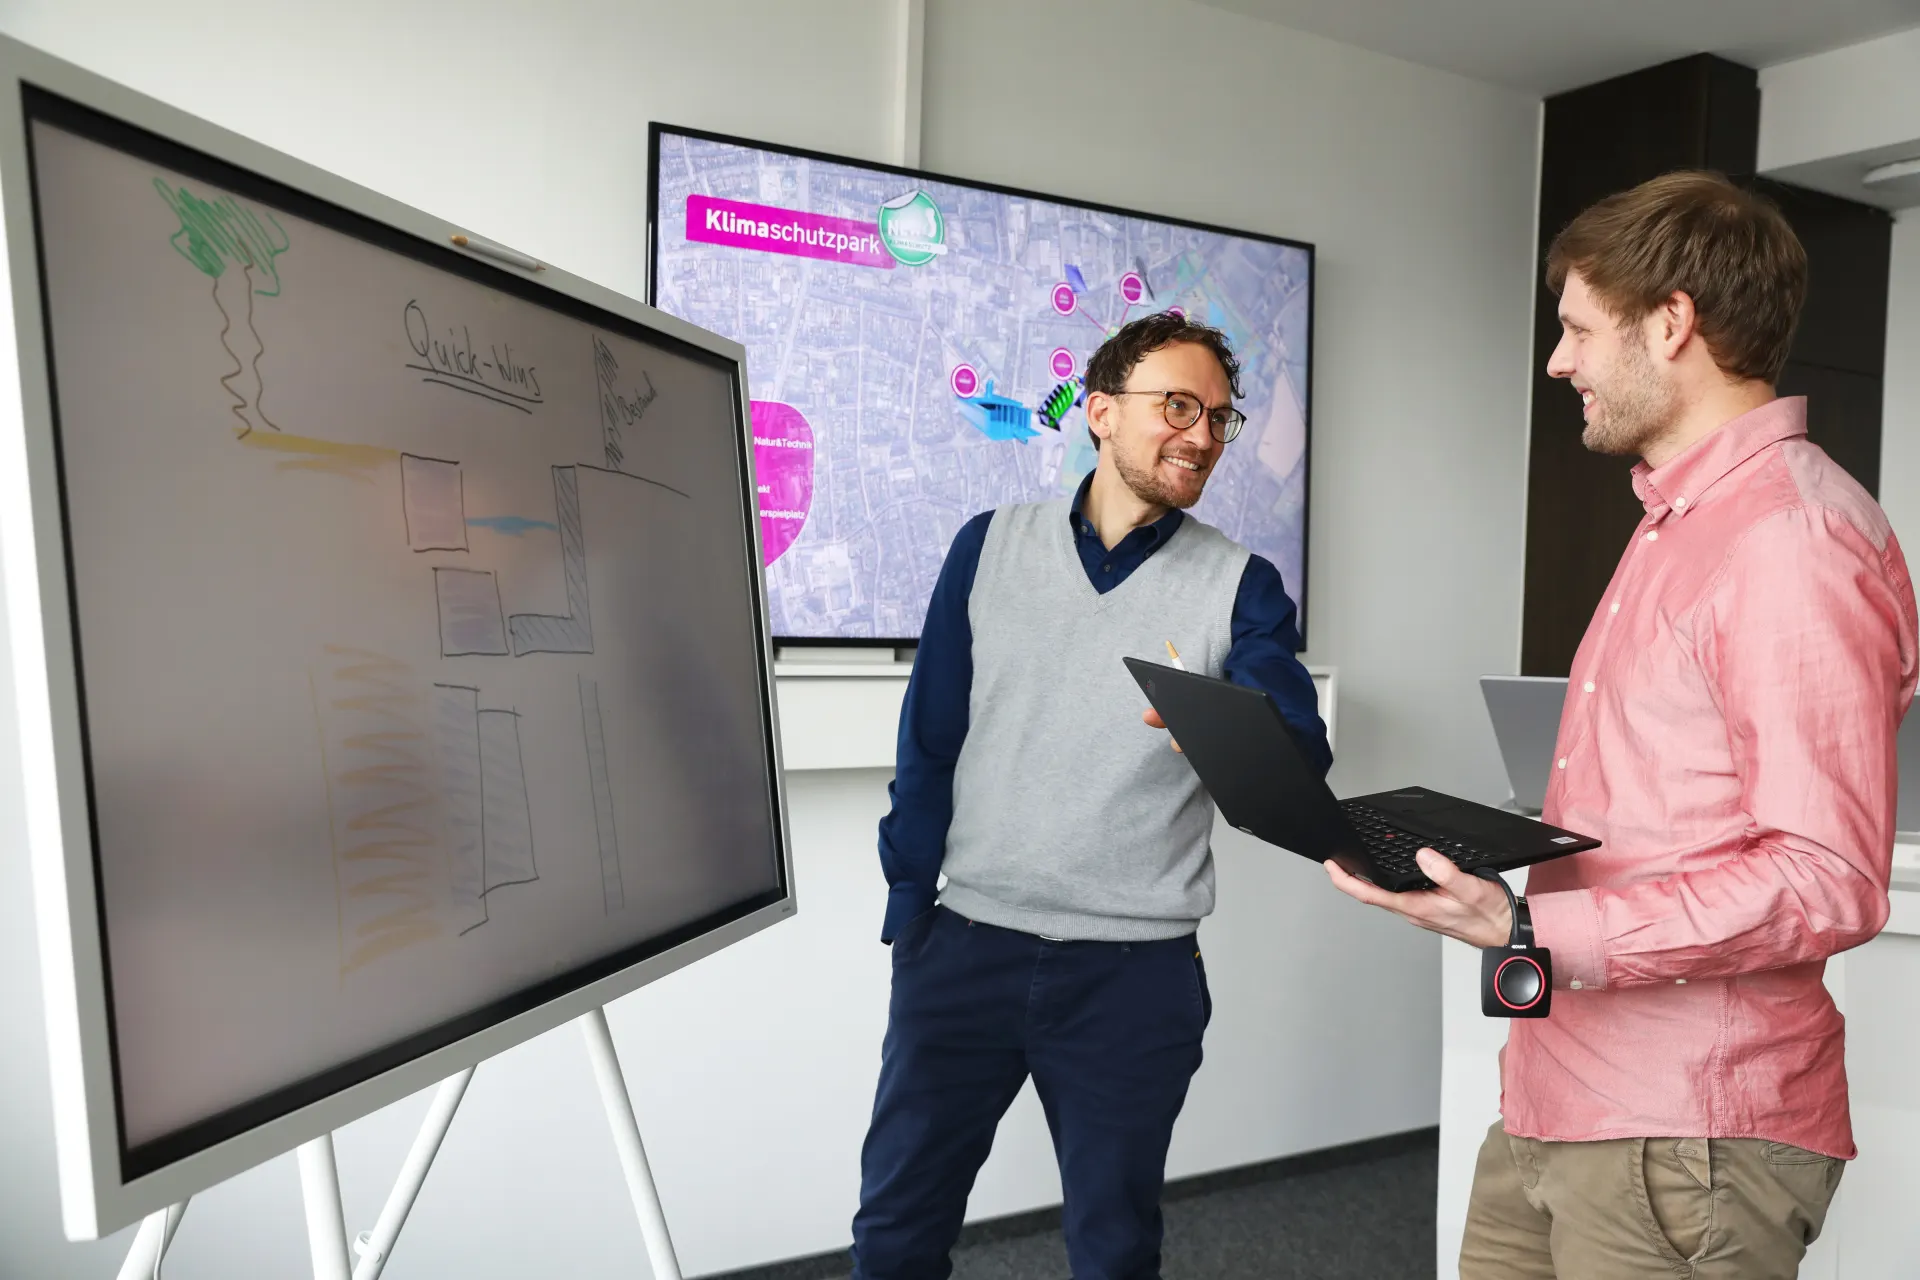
(354,461)
(383,780)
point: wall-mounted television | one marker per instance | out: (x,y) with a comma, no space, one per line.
(915,348)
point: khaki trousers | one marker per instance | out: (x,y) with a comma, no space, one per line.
(1629,1208)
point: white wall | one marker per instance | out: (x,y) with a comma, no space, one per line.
(1417,187)
(1848,100)
(527,121)
(1845,103)
(753,1072)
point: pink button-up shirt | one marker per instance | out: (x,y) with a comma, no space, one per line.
(1729,735)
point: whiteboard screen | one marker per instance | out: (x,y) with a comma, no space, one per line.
(421,662)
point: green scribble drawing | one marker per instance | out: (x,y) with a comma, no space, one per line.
(222,231)
(217,236)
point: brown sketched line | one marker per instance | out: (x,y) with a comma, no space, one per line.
(474,386)
(382,783)
(240,366)
(572,631)
(613,888)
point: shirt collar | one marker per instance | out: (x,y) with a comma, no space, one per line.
(1157,532)
(1676,485)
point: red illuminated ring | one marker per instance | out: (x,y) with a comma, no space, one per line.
(1526,960)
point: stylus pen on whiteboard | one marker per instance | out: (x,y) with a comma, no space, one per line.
(498,252)
(1175,655)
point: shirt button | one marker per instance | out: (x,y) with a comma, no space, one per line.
(1588,686)
(1106,568)
(1615,608)
(1679,504)
(1563,763)
(1575,985)
(1653,535)
(1679,982)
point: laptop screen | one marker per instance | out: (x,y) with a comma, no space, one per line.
(1525,711)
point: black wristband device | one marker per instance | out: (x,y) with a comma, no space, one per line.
(1516,981)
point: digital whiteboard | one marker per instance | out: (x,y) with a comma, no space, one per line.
(390,640)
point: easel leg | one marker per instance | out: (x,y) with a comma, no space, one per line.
(406,1189)
(326,1224)
(150,1244)
(626,1139)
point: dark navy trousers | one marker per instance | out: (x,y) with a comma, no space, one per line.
(1110,1033)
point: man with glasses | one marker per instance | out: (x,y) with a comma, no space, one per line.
(1073,843)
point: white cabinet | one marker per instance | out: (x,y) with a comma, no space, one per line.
(844,714)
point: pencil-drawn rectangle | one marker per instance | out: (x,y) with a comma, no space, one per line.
(433,498)
(470,616)
(573,631)
(509,822)
(612,885)
(457,744)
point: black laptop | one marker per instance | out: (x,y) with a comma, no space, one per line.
(1267,786)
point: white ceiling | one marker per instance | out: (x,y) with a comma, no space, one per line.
(1545,46)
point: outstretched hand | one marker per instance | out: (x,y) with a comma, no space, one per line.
(1154,721)
(1460,905)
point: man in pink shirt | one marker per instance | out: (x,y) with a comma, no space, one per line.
(1729,735)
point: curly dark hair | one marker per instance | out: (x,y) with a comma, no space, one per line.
(1114,362)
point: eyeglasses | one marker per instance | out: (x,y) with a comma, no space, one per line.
(1182,409)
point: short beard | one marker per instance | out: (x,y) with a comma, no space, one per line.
(1637,409)
(1149,486)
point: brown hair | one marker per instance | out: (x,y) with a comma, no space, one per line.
(1729,250)
(1113,363)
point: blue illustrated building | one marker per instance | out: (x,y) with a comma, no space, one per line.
(996,417)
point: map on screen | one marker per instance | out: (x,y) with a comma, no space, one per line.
(915,352)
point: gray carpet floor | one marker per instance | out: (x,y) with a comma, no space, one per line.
(1372,1220)
(1359,1213)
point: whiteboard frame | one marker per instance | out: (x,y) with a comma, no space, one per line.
(95,1196)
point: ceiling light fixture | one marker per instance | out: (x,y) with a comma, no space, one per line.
(1890,172)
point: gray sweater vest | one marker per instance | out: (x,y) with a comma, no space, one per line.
(1071,818)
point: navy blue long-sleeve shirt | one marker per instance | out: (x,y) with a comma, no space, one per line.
(1263,654)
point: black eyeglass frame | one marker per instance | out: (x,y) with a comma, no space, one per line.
(1224,434)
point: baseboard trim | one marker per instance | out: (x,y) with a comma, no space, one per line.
(833,1265)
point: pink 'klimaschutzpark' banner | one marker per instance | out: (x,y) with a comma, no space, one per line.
(806,235)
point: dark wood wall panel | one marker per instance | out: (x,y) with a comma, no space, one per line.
(1696,113)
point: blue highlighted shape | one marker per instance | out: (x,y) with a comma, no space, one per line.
(512,526)
(1074,278)
(996,417)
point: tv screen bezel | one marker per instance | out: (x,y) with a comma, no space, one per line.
(658,128)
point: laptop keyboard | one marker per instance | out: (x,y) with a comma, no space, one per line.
(1393,847)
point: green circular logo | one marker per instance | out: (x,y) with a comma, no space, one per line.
(912,229)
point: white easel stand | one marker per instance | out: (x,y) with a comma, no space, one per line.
(320,1183)
(150,1245)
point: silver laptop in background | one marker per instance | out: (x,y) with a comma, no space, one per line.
(1525,711)
(1906,815)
